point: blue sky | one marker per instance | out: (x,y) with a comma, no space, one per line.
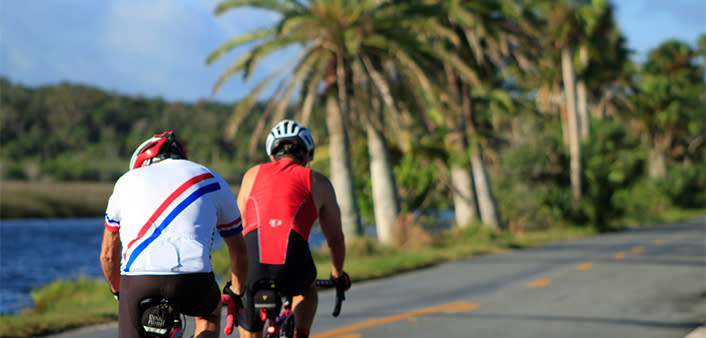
(159,47)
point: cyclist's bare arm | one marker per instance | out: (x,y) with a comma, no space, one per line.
(238,262)
(329,219)
(246,187)
(242,261)
(110,259)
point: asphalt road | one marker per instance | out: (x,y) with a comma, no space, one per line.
(647,282)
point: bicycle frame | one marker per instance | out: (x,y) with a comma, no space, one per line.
(276,314)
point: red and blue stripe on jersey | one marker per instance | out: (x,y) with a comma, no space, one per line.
(202,186)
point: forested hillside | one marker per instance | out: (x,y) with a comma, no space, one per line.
(68,132)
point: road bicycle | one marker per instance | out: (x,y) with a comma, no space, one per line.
(275,310)
(160,318)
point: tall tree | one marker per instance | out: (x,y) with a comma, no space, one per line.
(601,60)
(564,28)
(485,36)
(670,97)
(358,50)
(316,27)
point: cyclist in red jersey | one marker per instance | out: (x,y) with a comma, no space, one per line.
(281,201)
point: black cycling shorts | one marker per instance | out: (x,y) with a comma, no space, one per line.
(292,278)
(195,294)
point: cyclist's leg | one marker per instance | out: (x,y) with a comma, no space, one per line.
(198,296)
(249,323)
(247,334)
(209,325)
(300,277)
(134,289)
(304,308)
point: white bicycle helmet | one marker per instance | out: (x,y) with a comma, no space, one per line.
(289,130)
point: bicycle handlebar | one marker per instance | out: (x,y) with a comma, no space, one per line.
(340,293)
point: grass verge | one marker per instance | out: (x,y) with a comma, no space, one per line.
(62,305)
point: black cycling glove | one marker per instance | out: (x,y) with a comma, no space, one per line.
(238,299)
(344,280)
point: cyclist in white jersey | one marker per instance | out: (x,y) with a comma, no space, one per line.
(159,230)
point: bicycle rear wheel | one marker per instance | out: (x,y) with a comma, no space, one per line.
(287,328)
(270,329)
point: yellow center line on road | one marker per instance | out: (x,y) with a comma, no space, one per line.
(658,242)
(619,255)
(584,266)
(540,283)
(450,307)
(637,249)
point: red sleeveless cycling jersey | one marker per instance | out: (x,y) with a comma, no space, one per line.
(280,201)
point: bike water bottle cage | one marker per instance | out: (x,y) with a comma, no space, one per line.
(159,318)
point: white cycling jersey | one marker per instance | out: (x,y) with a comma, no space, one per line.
(167,215)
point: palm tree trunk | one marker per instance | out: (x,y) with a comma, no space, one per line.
(582,107)
(657,159)
(342,170)
(484,192)
(569,78)
(582,95)
(385,200)
(463,196)
(486,201)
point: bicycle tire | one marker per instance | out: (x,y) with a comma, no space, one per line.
(266,334)
(287,328)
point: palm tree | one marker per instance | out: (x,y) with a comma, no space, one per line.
(315,27)
(602,57)
(669,99)
(486,36)
(356,49)
(564,27)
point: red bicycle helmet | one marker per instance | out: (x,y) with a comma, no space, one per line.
(159,146)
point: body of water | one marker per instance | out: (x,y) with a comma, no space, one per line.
(35,252)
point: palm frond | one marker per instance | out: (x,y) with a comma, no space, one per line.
(383,90)
(243,108)
(312,83)
(253,57)
(300,71)
(270,5)
(238,41)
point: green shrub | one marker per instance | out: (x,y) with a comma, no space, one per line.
(612,161)
(685,185)
(532,189)
(643,201)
